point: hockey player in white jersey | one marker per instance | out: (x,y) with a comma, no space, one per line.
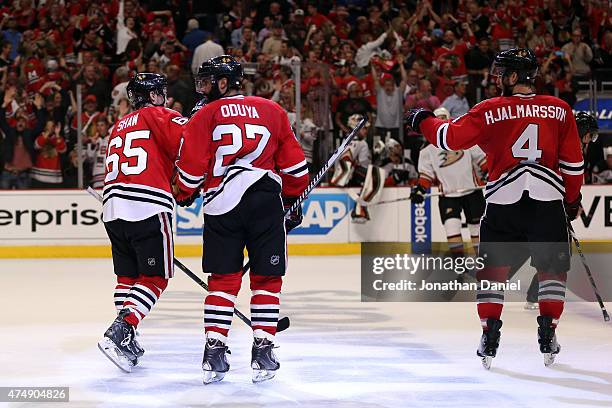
(350,170)
(458,174)
(96,152)
(355,169)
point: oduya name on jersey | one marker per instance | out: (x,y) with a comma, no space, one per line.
(234,109)
(524,111)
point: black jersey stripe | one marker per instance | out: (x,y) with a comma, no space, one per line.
(507,181)
(134,198)
(520,167)
(129,189)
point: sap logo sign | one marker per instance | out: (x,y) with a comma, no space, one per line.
(189,220)
(322,212)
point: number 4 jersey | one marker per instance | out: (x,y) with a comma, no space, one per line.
(142,149)
(531,143)
(232,143)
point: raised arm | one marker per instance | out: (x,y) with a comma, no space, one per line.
(459,134)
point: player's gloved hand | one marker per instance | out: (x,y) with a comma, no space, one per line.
(414,117)
(400,175)
(183,201)
(294,218)
(573,209)
(417,195)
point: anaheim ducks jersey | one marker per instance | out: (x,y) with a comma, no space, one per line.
(531,142)
(142,149)
(453,170)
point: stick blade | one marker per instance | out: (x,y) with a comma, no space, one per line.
(283,324)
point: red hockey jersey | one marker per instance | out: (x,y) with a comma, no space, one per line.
(233,142)
(531,143)
(142,149)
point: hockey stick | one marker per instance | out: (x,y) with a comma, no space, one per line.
(317,179)
(606,316)
(282,324)
(439,193)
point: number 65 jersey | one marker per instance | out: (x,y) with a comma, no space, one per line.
(232,143)
(531,142)
(142,149)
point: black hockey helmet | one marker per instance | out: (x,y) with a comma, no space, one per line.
(586,123)
(520,60)
(224,66)
(140,87)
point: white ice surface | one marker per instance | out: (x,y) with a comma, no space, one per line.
(338,353)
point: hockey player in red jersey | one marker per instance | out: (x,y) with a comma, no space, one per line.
(243,149)
(138,210)
(535,171)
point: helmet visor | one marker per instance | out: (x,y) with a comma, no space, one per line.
(497,70)
(203,84)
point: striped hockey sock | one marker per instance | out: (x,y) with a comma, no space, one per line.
(143,296)
(551,295)
(219,304)
(490,302)
(265,304)
(124,285)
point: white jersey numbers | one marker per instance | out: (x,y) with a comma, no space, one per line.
(526,146)
(113,161)
(251,132)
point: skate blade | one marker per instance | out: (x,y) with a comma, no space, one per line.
(531,306)
(262,375)
(108,348)
(486,362)
(549,358)
(212,377)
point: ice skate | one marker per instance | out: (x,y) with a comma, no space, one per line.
(489,342)
(531,306)
(118,343)
(263,360)
(215,363)
(547,340)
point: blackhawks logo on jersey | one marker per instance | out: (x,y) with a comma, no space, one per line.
(448,157)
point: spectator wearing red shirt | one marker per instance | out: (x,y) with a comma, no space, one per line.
(341,26)
(314,17)
(454,50)
(445,82)
(47,170)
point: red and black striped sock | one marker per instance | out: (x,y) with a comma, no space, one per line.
(265,305)
(143,296)
(219,304)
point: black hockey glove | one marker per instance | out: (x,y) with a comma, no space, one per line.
(294,218)
(414,117)
(573,209)
(400,175)
(417,195)
(188,201)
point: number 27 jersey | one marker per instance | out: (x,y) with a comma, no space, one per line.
(232,143)
(142,149)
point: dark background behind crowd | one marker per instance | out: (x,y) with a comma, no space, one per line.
(355,56)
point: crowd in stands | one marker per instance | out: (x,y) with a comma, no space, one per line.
(375,58)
